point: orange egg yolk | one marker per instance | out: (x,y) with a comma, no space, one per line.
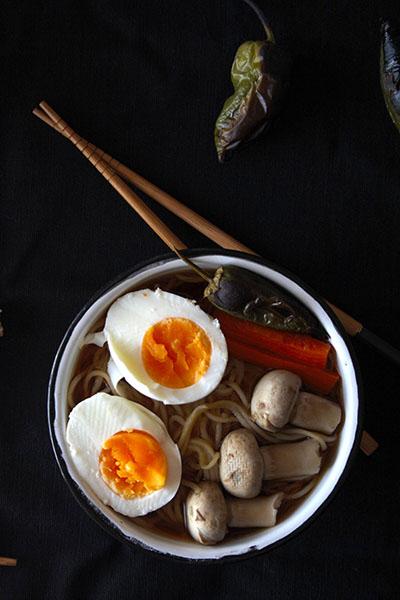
(176,352)
(133,464)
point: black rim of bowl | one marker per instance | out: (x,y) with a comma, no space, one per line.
(100,518)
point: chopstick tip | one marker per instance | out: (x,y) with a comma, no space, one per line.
(5,561)
(192,265)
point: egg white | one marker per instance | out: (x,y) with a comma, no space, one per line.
(92,422)
(132,315)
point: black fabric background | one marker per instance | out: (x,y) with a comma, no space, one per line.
(318,194)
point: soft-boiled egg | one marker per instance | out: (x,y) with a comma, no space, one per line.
(165,346)
(124,453)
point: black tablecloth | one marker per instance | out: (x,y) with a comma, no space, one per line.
(318,194)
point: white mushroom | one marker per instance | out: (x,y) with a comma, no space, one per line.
(206,514)
(209,514)
(316,413)
(243,465)
(273,399)
(277,400)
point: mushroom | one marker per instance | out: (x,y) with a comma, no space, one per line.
(206,514)
(209,514)
(273,399)
(277,401)
(316,413)
(243,465)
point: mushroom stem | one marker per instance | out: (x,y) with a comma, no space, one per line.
(257,512)
(291,461)
(315,413)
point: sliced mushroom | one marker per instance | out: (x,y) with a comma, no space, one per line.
(240,469)
(316,413)
(273,399)
(208,513)
(241,465)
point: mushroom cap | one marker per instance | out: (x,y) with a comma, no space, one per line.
(241,465)
(206,513)
(273,399)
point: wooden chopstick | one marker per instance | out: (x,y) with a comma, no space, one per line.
(217,235)
(162,230)
(368,444)
(109,167)
(7,562)
(211,231)
(185,213)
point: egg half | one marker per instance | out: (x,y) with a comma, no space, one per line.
(124,453)
(165,346)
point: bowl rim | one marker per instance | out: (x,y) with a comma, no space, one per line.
(97,516)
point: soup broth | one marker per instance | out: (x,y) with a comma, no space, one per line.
(199,427)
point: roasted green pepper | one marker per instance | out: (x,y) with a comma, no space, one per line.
(249,296)
(252,297)
(390,69)
(259,76)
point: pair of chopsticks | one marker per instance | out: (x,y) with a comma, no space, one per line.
(117,174)
(111,169)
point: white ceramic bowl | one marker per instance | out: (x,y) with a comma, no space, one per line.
(122,527)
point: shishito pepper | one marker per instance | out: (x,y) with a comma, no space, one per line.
(249,296)
(390,69)
(259,76)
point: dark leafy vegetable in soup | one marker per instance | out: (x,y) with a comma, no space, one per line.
(252,449)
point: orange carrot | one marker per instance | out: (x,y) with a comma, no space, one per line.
(296,346)
(319,380)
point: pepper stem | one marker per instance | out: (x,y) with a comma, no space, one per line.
(263,19)
(194,267)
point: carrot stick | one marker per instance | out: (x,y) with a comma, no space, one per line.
(319,380)
(296,346)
